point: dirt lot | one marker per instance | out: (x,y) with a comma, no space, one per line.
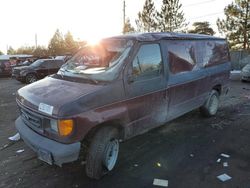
(183,151)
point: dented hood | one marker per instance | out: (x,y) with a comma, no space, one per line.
(49,94)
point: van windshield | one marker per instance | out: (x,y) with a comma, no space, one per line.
(99,62)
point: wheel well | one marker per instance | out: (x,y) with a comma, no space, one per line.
(217,88)
(114,123)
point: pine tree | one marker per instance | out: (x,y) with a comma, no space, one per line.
(171,17)
(11,51)
(236,25)
(56,45)
(128,28)
(202,28)
(146,21)
(71,46)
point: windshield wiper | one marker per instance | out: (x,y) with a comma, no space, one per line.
(88,78)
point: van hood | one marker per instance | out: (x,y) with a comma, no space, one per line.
(49,94)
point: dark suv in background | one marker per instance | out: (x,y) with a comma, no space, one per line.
(37,70)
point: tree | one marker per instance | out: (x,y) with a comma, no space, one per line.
(71,46)
(171,17)
(128,28)
(25,50)
(41,51)
(11,51)
(202,28)
(1,53)
(236,25)
(146,21)
(56,45)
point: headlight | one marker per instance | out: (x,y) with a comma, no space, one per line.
(23,72)
(62,127)
(53,125)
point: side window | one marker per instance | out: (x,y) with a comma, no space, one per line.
(59,63)
(52,64)
(216,52)
(147,62)
(44,65)
(181,55)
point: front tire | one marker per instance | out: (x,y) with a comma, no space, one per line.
(102,153)
(211,105)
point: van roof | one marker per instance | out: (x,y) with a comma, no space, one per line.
(166,35)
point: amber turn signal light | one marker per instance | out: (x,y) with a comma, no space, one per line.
(65,127)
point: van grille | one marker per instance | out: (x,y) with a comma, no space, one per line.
(31,119)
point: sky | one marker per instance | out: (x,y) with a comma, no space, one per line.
(21,20)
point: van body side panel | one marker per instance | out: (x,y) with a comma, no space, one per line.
(219,75)
(183,93)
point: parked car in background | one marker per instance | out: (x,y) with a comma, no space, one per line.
(138,82)
(245,73)
(37,70)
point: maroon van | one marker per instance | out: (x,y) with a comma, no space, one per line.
(122,87)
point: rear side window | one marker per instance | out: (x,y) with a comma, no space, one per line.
(147,62)
(181,56)
(215,52)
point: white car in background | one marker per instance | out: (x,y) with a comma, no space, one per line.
(245,73)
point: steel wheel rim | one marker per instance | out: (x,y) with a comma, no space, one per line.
(32,79)
(214,104)
(111,154)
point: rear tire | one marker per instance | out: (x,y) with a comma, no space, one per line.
(102,153)
(31,78)
(211,105)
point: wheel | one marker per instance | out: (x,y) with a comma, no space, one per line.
(211,105)
(102,153)
(30,78)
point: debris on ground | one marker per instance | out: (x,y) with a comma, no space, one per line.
(224,155)
(218,160)
(158,164)
(224,177)
(83,162)
(6,146)
(16,137)
(191,155)
(217,126)
(247,96)
(225,164)
(160,182)
(135,165)
(20,151)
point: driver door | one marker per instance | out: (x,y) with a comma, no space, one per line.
(145,88)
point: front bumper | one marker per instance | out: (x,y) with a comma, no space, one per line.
(48,150)
(18,77)
(245,76)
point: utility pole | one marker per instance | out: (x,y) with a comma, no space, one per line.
(124,13)
(36,40)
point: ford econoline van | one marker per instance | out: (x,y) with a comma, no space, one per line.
(117,89)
